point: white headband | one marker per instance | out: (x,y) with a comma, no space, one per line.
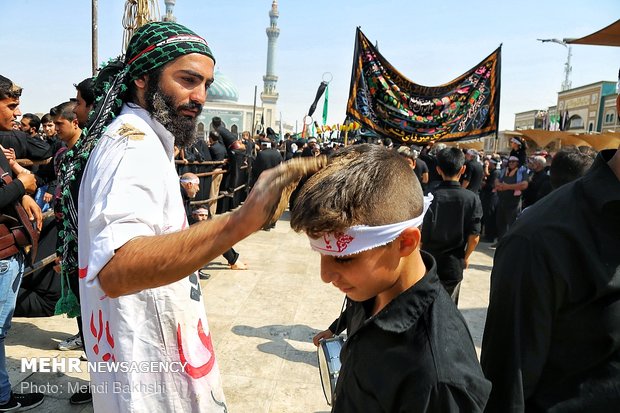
(362,237)
(200,211)
(190,181)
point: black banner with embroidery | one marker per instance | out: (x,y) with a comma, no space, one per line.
(383,100)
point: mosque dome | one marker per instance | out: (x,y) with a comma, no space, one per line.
(222,89)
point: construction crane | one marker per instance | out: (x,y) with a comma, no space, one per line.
(137,14)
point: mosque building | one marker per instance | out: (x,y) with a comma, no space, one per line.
(223,96)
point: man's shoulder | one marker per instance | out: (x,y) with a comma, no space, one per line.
(129,130)
(558,207)
(15,134)
(218,148)
(127,124)
(126,131)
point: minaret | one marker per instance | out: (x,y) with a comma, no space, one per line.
(169,17)
(269,97)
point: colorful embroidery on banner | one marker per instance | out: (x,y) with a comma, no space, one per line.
(389,104)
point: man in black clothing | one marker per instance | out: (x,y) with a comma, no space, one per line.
(473,175)
(24,145)
(539,184)
(552,335)
(268,157)
(408,347)
(216,147)
(488,199)
(420,169)
(510,184)
(190,186)
(451,229)
(47,126)
(218,153)
(235,156)
(46,175)
(250,155)
(30,124)
(250,147)
(227,137)
(288,142)
(12,266)
(518,149)
(428,155)
(568,164)
(40,290)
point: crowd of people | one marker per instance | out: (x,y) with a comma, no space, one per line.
(132,189)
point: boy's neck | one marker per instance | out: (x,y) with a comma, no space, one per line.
(411,270)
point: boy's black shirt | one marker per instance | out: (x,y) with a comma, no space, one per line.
(415,355)
(453,216)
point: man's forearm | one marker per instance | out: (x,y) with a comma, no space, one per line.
(519,186)
(472,243)
(154,261)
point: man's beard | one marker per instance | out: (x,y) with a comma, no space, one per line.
(161,107)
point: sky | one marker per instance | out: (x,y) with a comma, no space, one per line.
(430,43)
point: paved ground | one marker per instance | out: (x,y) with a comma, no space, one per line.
(262,322)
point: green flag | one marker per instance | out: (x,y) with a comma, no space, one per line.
(325,104)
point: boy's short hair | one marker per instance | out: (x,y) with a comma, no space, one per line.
(8,89)
(64,111)
(47,118)
(450,161)
(361,185)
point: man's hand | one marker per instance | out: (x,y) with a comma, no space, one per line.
(33,210)
(262,203)
(57,264)
(29,181)
(47,197)
(9,153)
(323,334)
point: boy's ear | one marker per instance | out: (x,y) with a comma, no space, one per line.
(409,241)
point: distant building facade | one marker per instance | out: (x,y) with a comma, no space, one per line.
(585,109)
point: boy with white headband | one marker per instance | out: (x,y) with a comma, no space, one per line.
(408,347)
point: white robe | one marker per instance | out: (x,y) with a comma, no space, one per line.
(130,188)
